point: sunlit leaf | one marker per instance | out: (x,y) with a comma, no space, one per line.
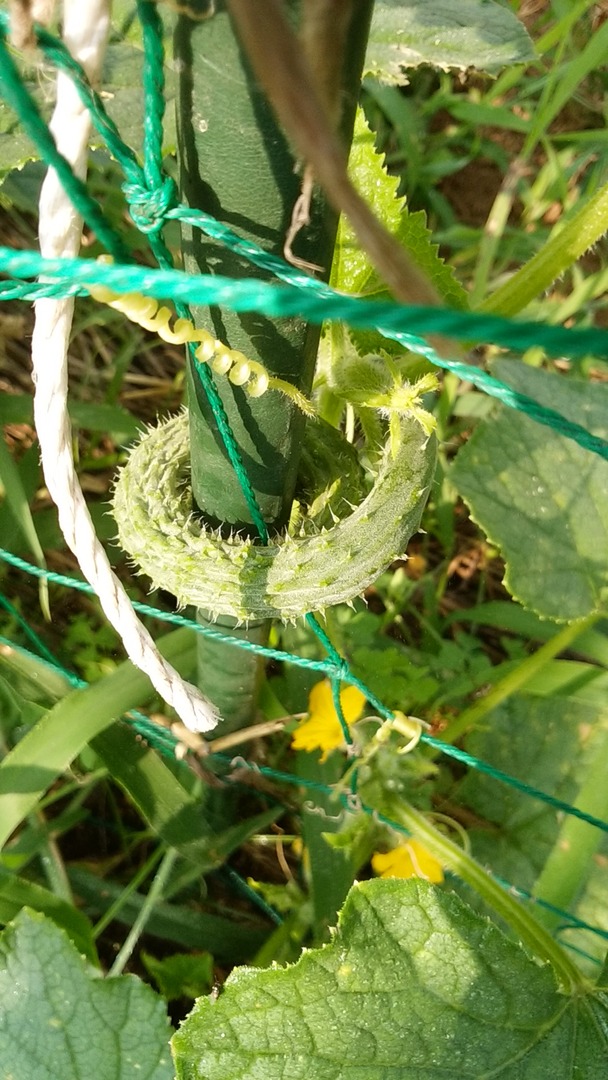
(412,985)
(445,34)
(59,1019)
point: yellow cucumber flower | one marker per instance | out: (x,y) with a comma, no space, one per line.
(407,860)
(322,730)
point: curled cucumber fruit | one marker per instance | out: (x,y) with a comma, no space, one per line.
(294,574)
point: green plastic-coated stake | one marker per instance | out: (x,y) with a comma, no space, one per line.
(236,164)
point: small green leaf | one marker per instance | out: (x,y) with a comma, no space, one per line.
(352,271)
(181,975)
(445,34)
(540,497)
(414,984)
(59,1019)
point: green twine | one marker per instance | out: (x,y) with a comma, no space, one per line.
(151,196)
(166,742)
(29,632)
(149,216)
(336,669)
(283,301)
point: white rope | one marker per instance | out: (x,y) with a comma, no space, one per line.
(86,24)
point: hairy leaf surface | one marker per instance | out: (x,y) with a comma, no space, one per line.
(59,1019)
(413,985)
(541,498)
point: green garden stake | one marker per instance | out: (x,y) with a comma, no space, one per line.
(236,164)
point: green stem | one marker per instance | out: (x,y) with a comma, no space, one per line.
(52,862)
(515,680)
(564,247)
(534,936)
(568,863)
(131,887)
(152,899)
(493,231)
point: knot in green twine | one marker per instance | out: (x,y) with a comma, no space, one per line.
(149,207)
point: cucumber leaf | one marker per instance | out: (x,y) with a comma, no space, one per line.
(413,984)
(541,498)
(59,1019)
(445,34)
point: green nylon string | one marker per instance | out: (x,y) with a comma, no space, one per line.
(149,215)
(154,92)
(341,669)
(165,742)
(282,301)
(334,670)
(151,196)
(29,632)
(572,921)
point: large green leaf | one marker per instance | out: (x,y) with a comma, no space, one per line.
(445,34)
(540,497)
(560,746)
(59,1019)
(549,743)
(122,91)
(413,985)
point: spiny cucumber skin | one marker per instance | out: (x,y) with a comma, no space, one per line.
(286,579)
